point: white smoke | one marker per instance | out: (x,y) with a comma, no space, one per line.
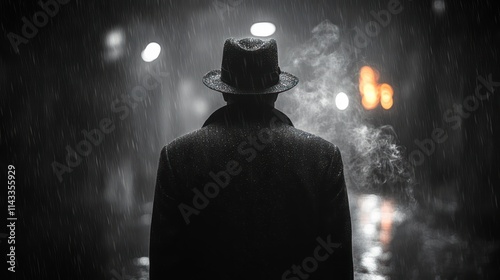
(373,160)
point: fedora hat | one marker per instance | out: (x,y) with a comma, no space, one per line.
(250,66)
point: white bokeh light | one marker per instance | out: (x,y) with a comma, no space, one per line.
(342,101)
(115,38)
(151,52)
(262,29)
(439,6)
(115,42)
(143,261)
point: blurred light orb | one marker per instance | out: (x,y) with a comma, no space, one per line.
(342,101)
(368,74)
(262,29)
(367,104)
(143,261)
(438,6)
(151,52)
(387,104)
(115,39)
(385,98)
(114,42)
(371,97)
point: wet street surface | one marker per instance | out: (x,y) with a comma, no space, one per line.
(390,241)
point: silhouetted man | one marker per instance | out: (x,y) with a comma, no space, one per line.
(249,196)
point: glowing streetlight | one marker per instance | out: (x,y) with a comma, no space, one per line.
(263,29)
(151,52)
(342,101)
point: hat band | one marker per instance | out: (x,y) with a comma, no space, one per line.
(251,81)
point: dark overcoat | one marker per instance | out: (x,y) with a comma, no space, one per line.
(249,196)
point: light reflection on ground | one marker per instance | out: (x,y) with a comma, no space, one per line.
(388,242)
(373,219)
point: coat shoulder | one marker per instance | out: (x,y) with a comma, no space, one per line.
(311,139)
(197,141)
(188,142)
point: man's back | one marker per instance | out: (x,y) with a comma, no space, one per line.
(248,196)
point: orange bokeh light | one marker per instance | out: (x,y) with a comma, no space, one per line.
(385,98)
(368,74)
(386,89)
(387,105)
(368,88)
(368,105)
(372,93)
(371,97)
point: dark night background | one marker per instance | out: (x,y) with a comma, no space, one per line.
(94,224)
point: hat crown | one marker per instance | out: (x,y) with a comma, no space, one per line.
(250,63)
(250,44)
(250,66)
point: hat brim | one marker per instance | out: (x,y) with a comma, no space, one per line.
(213,81)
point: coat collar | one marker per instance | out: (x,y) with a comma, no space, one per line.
(236,114)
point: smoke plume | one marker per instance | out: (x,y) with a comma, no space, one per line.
(373,160)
